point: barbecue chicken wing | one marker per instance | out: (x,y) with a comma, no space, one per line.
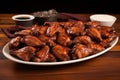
(32,41)
(37,30)
(106,42)
(47,40)
(96,47)
(63,39)
(67,24)
(83,40)
(25,53)
(106,31)
(61,52)
(15,42)
(42,54)
(94,34)
(23,33)
(76,29)
(92,24)
(51,58)
(80,51)
(53,29)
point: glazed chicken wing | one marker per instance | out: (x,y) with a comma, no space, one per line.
(96,47)
(25,53)
(14,43)
(23,33)
(67,24)
(106,31)
(106,42)
(51,58)
(32,41)
(37,30)
(47,40)
(54,28)
(42,54)
(83,40)
(94,34)
(76,29)
(80,51)
(92,24)
(61,52)
(63,39)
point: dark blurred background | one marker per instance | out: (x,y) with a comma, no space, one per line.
(71,6)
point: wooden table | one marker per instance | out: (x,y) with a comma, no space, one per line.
(104,67)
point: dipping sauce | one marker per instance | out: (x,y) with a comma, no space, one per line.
(104,19)
(25,20)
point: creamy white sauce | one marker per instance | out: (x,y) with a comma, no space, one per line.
(102,17)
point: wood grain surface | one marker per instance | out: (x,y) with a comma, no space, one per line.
(104,67)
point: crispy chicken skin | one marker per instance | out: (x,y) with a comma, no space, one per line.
(25,53)
(61,41)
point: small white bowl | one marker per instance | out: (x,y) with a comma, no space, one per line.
(104,19)
(25,20)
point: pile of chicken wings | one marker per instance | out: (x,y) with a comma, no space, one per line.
(61,41)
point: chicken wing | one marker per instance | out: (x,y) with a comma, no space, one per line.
(37,30)
(51,58)
(92,24)
(94,34)
(15,42)
(106,42)
(96,47)
(47,40)
(83,40)
(76,29)
(54,28)
(67,24)
(25,53)
(32,41)
(23,33)
(80,51)
(106,31)
(42,54)
(63,39)
(61,52)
